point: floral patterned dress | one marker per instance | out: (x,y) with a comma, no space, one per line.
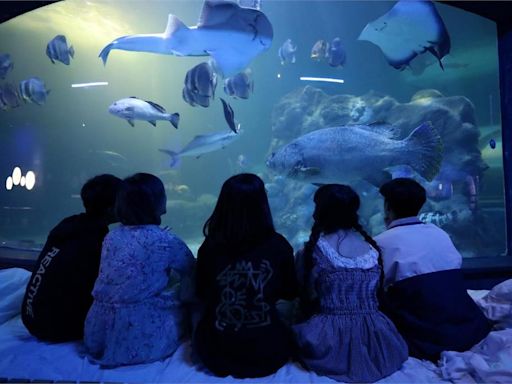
(137,314)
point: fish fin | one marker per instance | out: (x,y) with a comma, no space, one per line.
(104,53)
(152,122)
(318,184)
(53,61)
(424,151)
(130,122)
(71,51)
(436,55)
(158,107)
(216,12)
(378,179)
(389,130)
(174,119)
(307,171)
(174,24)
(132,97)
(175,157)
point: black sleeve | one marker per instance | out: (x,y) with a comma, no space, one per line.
(288,275)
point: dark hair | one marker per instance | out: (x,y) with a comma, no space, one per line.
(335,208)
(99,194)
(405,197)
(242,215)
(141,200)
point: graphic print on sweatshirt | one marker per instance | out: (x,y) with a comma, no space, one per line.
(242,301)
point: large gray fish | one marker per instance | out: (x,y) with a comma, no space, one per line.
(6,65)
(58,50)
(232,35)
(133,108)
(287,52)
(409,29)
(337,54)
(356,152)
(33,90)
(9,97)
(202,144)
(239,86)
(200,84)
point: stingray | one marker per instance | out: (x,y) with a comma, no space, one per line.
(410,28)
(232,35)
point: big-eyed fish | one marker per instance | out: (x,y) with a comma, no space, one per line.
(133,108)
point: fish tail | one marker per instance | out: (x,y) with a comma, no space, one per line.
(104,53)
(175,157)
(71,51)
(174,119)
(424,150)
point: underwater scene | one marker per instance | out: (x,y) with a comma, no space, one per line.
(302,93)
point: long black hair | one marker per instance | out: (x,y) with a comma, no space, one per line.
(336,208)
(242,215)
(141,200)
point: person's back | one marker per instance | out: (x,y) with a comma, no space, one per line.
(340,275)
(239,282)
(424,289)
(58,294)
(137,316)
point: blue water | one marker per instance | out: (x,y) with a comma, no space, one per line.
(64,141)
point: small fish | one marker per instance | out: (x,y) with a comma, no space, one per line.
(33,90)
(9,97)
(133,108)
(242,161)
(202,144)
(492,143)
(438,218)
(113,158)
(337,54)
(200,84)
(287,52)
(320,50)
(232,35)
(58,50)
(6,65)
(407,30)
(230,116)
(239,86)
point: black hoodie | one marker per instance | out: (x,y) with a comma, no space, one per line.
(58,295)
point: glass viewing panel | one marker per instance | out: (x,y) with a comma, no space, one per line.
(56,130)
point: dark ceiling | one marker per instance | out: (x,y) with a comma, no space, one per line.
(499,11)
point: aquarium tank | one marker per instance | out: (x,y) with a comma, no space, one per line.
(301,93)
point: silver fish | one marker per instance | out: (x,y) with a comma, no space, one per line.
(232,35)
(356,152)
(239,86)
(57,50)
(6,65)
(409,29)
(33,90)
(202,144)
(287,52)
(200,84)
(133,108)
(337,54)
(9,97)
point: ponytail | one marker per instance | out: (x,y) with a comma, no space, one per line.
(309,247)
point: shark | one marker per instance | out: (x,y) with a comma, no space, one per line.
(231,34)
(407,30)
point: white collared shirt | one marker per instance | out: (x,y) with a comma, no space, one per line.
(411,248)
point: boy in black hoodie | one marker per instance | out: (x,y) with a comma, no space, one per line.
(58,295)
